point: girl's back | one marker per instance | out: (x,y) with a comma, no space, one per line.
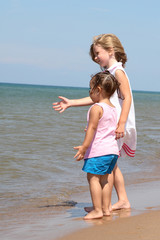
(104,141)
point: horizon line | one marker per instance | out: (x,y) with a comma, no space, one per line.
(43,85)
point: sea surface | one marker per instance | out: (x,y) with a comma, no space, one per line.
(38,173)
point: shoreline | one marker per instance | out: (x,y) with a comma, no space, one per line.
(144,226)
(53,224)
(144,199)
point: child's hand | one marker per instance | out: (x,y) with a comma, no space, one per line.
(120,131)
(80,154)
(62,105)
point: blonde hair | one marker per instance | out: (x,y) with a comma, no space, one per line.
(108,41)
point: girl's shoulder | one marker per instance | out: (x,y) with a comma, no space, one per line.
(119,72)
(115,67)
(106,107)
(96,110)
(96,106)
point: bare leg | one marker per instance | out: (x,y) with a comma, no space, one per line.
(96,195)
(106,195)
(110,185)
(123,202)
(110,182)
(119,185)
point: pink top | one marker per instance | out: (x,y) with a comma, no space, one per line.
(104,142)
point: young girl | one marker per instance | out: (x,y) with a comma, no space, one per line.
(99,149)
(109,53)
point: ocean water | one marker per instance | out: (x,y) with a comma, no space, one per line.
(37,168)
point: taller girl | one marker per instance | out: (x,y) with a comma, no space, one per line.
(108,52)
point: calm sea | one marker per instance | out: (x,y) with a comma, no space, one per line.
(37,168)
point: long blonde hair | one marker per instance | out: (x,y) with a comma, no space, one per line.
(108,41)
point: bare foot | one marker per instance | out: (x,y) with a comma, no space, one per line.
(121,205)
(93,215)
(107,213)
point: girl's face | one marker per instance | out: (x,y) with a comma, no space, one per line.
(102,56)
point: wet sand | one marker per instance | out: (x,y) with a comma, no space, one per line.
(143,227)
(140,222)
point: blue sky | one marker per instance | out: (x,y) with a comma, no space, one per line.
(47,42)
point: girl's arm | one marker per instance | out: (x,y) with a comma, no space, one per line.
(65,103)
(126,93)
(94,116)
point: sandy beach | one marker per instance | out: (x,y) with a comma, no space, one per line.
(143,227)
(142,221)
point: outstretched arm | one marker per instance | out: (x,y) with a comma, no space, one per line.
(65,103)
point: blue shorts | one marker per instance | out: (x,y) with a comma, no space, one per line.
(100,165)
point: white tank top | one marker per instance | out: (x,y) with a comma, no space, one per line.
(127,144)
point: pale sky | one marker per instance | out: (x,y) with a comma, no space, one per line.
(47,42)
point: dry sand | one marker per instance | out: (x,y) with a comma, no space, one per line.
(140,227)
